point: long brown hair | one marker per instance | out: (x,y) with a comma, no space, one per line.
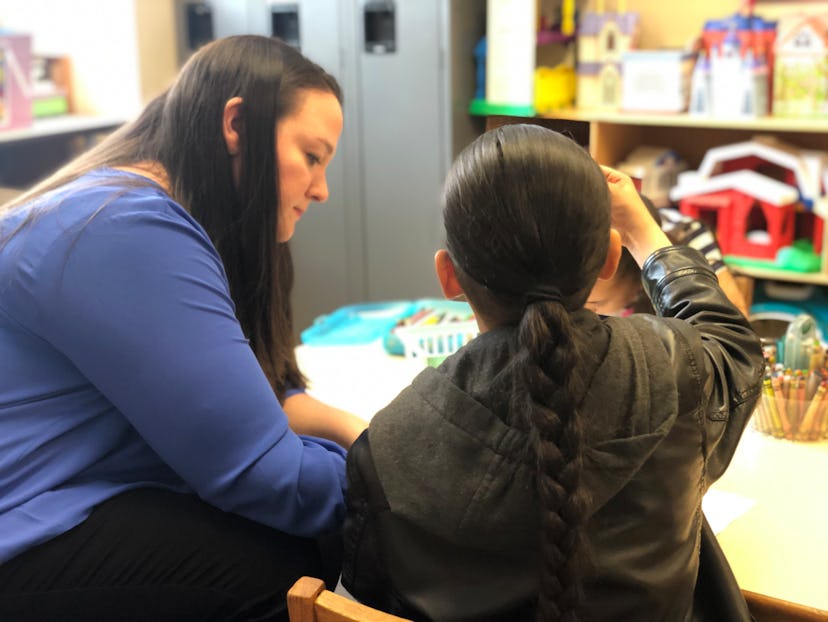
(182,131)
(542,206)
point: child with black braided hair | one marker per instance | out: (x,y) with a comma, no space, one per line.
(554,467)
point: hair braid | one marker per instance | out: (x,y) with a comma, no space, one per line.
(527,217)
(549,358)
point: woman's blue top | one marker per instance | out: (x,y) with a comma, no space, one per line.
(122,364)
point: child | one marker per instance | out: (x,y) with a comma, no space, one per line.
(554,467)
(622,293)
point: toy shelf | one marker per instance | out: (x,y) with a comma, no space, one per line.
(611,136)
(763,124)
(787,276)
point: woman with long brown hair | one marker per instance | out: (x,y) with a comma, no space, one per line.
(150,403)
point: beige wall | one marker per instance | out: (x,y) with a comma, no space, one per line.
(155,25)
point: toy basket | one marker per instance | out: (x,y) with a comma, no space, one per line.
(437,341)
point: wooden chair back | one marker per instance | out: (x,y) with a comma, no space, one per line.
(309,601)
(768,609)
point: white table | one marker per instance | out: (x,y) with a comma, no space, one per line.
(770,509)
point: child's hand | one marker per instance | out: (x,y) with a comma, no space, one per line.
(640,233)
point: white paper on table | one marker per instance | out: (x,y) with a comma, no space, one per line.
(722,508)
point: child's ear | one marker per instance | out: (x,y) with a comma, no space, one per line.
(446,275)
(613,256)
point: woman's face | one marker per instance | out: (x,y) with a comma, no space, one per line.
(305,144)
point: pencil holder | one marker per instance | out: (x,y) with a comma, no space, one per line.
(797,412)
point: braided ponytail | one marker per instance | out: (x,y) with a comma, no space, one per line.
(527,216)
(548,357)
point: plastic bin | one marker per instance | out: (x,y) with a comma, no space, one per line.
(435,343)
(436,329)
(357,324)
(429,328)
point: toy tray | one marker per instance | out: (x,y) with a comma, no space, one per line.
(357,324)
(435,330)
(436,343)
(431,328)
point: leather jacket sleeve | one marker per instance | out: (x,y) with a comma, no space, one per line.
(729,348)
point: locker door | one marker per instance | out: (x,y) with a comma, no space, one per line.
(328,246)
(404,139)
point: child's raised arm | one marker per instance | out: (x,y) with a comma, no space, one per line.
(640,233)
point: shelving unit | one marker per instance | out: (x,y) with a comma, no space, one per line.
(612,135)
(62,125)
(29,154)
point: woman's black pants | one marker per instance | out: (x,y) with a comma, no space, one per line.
(159,556)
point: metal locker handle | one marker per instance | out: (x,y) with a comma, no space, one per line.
(380,27)
(284,23)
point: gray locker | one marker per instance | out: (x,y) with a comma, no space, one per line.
(407,72)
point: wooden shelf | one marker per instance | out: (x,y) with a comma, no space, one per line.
(761,124)
(611,136)
(55,126)
(29,154)
(787,276)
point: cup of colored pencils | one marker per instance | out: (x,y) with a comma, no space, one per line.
(793,405)
(794,402)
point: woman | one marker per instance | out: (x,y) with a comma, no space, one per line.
(147,467)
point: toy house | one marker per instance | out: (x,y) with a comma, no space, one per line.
(801,66)
(602,40)
(759,196)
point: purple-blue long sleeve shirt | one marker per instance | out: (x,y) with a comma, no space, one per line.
(122,364)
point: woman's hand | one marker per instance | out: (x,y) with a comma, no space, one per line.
(639,231)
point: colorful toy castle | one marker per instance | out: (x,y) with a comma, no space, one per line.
(602,40)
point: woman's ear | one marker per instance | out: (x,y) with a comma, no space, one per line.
(613,256)
(231,125)
(444,267)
